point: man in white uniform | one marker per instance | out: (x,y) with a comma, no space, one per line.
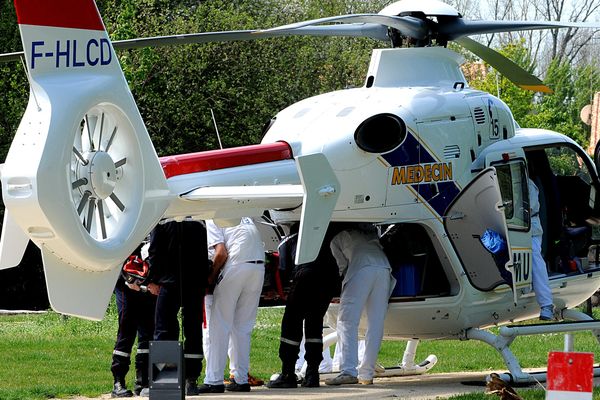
(231,352)
(367,284)
(238,259)
(541,285)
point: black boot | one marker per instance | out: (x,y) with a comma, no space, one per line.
(311,378)
(283,381)
(120,390)
(191,387)
(287,379)
(141,380)
(233,386)
(206,388)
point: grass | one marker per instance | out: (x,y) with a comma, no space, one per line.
(525,394)
(50,356)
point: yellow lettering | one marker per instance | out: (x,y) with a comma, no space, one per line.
(410,174)
(399,176)
(419,173)
(435,172)
(428,173)
(422,173)
(447,171)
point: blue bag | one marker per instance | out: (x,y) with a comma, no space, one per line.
(495,243)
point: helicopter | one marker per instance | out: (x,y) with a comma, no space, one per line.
(416,151)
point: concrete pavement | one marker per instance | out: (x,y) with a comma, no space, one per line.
(425,387)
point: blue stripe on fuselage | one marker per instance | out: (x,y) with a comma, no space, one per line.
(412,153)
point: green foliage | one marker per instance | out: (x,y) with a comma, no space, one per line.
(526,394)
(244,83)
(560,111)
(13,82)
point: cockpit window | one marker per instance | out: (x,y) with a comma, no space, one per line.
(513,187)
(380,133)
(564,161)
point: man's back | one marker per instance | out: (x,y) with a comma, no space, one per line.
(243,241)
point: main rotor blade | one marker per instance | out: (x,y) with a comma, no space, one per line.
(409,26)
(506,67)
(374,31)
(456,28)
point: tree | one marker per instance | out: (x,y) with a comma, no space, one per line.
(244,83)
(559,111)
(13,82)
(520,101)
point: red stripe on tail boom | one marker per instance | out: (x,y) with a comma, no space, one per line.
(78,14)
(218,159)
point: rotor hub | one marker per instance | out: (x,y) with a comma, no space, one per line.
(426,7)
(102,174)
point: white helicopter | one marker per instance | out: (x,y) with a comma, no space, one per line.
(415,150)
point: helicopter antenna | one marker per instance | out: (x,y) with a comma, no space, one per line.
(216,128)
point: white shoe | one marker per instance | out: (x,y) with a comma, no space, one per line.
(341,379)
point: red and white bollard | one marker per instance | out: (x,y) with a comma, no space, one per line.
(570,376)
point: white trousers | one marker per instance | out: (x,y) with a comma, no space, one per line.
(337,355)
(233,313)
(208,301)
(368,289)
(541,284)
(324,367)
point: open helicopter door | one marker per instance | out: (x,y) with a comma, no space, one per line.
(476,209)
(511,170)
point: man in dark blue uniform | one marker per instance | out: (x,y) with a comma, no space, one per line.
(313,286)
(135,307)
(178,260)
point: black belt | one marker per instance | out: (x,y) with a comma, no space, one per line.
(256,262)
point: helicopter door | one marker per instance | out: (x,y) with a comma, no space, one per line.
(512,179)
(476,209)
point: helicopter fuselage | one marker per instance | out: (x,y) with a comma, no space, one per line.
(404,155)
(449,131)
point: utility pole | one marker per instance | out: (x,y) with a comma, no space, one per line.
(590,115)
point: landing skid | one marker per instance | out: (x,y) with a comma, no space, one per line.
(508,334)
(408,365)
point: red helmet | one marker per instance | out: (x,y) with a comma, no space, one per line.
(135,270)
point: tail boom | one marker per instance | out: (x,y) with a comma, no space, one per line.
(81,179)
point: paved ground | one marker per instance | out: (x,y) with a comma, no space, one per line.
(429,386)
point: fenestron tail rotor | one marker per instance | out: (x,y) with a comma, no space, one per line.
(98,171)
